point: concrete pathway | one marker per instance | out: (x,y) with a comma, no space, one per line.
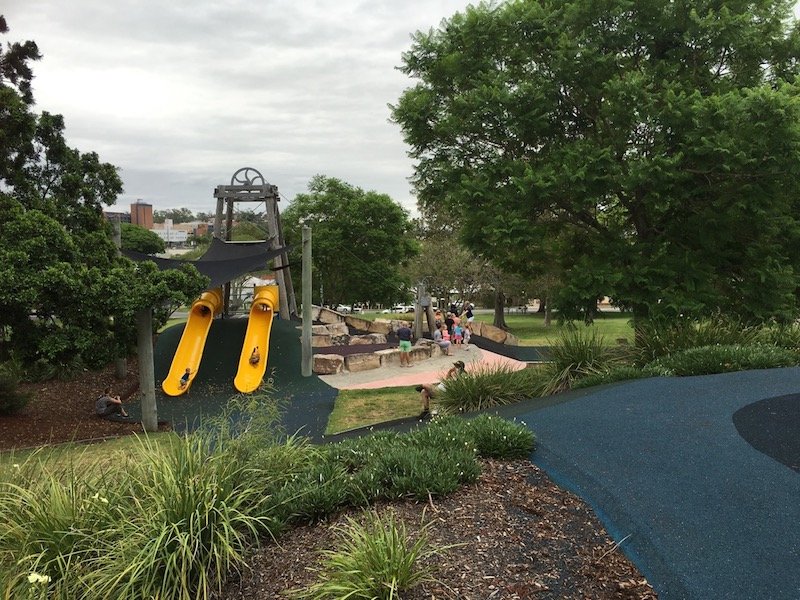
(427,371)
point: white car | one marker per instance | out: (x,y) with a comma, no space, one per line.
(403,308)
(344,309)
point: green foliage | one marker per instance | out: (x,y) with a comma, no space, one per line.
(707,360)
(376,559)
(612,375)
(61,280)
(660,337)
(578,353)
(647,150)
(488,386)
(12,399)
(176,518)
(361,239)
(140,239)
(178,215)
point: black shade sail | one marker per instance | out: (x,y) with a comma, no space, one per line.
(222,262)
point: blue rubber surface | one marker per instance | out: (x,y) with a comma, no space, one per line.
(660,460)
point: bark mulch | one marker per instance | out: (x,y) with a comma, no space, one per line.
(514,535)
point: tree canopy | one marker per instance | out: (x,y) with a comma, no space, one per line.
(360,241)
(141,240)
(652,145)
(61,279)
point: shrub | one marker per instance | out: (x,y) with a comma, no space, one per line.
(489,386)
(417,471)
(498,438)
(11,398)
(488,436)
(723,359)
(575,354)
(622,373)
(374,560)
(657,338)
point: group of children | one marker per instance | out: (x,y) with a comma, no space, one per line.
(454,329)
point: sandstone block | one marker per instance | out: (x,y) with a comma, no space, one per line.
(326,315)
(511,340)
(328,364)
(493,333)
(362,362)
(383,326)
(420,353)
(358,323)
(320,341)
(389,357)
(368,339)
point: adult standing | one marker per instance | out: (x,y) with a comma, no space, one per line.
(449,322)
(404,335)
(468,314)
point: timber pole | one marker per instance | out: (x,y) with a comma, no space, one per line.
(307,358)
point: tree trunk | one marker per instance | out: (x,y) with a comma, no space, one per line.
(499,310)
(147,377)
(548,314)
(542,305)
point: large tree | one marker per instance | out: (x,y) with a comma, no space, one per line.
(61,279)
(360,241)
(657,141)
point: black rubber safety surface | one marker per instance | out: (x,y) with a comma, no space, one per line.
(772,426)
(307,401)
(700,511)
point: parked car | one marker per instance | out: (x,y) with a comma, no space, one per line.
(344,309)
(403,308)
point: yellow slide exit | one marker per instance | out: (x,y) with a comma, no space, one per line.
(193,340)
(259,326)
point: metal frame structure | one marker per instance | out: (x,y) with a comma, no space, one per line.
(248,185)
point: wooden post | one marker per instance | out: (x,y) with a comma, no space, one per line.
(147,378)
(226,297)
(418,311)
(291,301)
(274,244)
(307,364)
(218,218)
(120,363)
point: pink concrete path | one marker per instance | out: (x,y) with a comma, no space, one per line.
(428,371)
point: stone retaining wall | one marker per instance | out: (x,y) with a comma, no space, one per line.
(335,331)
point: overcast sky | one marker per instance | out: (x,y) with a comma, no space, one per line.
(181,94)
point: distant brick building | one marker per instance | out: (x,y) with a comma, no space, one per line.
(142,214)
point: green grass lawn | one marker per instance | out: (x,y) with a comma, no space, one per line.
(360,408)
(79,457)
(530,329)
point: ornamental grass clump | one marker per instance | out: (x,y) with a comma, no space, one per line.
(375,559)
(657,338)
(578,353)
(724,359)
(48,519)
(488,386)
(189,512)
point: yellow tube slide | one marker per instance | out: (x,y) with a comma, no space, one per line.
(256,339)
(193,340)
